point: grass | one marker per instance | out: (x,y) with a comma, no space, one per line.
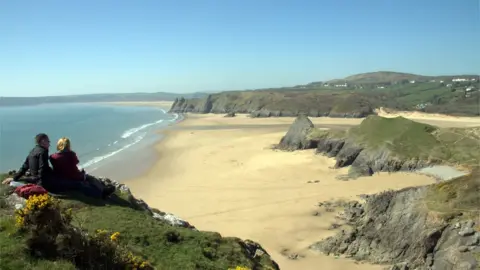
(458,197)
(404,137)
(315,97)
(166,247)
(407,139)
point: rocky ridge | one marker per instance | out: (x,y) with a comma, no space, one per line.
(394,227)
(265,105)
(348,150)
(364,161)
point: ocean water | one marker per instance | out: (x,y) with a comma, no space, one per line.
(113,141)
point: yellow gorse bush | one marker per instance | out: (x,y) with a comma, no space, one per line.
(136,262)
(34,203)
(46,214)
(127,257)
(114,236)
(240,268)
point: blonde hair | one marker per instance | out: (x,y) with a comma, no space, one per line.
(63,144)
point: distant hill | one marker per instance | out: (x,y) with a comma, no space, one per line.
(159,96)
(354,96)
(389,77)
(381,77)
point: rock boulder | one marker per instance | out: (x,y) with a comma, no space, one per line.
(297,136)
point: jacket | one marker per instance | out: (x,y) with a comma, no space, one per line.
(64,165)
(37,163)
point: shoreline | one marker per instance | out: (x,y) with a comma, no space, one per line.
(221,176)
(143,153)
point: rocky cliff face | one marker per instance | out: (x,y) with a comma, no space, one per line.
(297,135)
(396,228)
(278,104)
(366,161)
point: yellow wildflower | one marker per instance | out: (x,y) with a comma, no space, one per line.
(240,268)
(114,236)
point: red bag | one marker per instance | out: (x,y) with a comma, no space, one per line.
(29,190)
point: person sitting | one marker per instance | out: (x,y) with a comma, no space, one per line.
(36,163)
(64,163)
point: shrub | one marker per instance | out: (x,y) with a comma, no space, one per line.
(51,235)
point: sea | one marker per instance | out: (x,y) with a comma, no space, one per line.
(110,140)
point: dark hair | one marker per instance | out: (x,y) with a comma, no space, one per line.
(40,137)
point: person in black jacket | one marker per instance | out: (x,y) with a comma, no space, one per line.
(36,162)
(41,173)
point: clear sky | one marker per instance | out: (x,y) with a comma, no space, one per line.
(78,47)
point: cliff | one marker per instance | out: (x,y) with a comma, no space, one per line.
(397,144)
(433,227)
(353,96)
(76,232)
(271,103)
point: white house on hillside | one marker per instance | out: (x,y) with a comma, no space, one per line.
(470,88)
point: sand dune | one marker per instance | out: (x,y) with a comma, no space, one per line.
(229,180)
(434,119)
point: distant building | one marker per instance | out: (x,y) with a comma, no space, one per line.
(449,85)
(341,85)
(412,81)
(470,88)
(380,87)
(459,80)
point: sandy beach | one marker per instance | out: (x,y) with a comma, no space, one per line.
(221,175)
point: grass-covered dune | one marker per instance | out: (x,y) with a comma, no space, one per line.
(76,232)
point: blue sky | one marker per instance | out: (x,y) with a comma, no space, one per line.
(79,47)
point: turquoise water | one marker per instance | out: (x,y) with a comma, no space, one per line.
(109,140)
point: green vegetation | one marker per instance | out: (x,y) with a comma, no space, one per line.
(150,240)
(407,139)
(362,94)
(404,137)
(458,197)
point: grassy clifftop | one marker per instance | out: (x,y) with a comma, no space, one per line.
(149,240)
(459,197)
(354,96)
(407,139)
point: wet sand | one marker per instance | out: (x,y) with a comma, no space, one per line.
(221,175)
